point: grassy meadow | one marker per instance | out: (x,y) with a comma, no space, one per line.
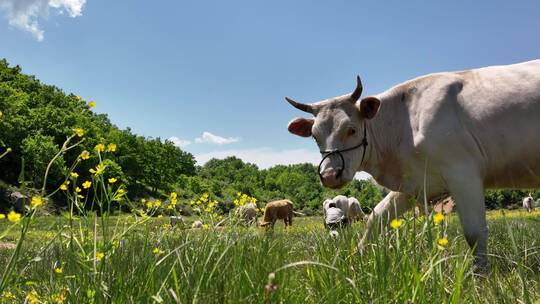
(141,259)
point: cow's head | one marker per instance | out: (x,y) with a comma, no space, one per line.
(338,123)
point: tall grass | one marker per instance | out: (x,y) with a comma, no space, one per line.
(304,264)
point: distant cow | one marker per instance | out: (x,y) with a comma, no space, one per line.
(349,206)
(197,224)
(528,203)
(247,213)
(282,209)
(355,211)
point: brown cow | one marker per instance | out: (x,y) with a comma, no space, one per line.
(282,209)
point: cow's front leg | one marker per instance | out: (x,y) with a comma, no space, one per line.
(392,206)
(468,193)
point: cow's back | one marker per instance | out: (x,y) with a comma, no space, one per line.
(488,117)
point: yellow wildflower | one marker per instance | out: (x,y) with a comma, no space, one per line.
(32,297)
(157,251)
(99,169)
(2,216)
(58,270)
(160,216)
(395,223)
(64,187)
(8,295)
(442,243)
(174,195)
(112,180)
(87,184)
(149,204)
(121,191)
(100,255)
(79,132)
(205,226)
(157,203)
(438,218)
(91,104)
(59,297)
(100,147)
(74,174)
(1,114)
(36,201)
(77,189)
(111,147)
(85,155)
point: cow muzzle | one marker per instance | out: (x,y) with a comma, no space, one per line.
(332,177)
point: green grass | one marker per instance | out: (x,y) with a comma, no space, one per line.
(307,264)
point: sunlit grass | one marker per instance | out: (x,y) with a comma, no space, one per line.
(157,263)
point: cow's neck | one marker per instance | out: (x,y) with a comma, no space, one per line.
(383,159)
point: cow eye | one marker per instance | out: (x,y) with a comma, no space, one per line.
(351,132)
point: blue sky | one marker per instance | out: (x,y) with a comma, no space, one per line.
(181,68)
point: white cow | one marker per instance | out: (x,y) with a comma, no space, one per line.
(458,133)
(355,210)
(528,203)
(349,206)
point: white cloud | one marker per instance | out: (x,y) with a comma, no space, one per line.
(210,138)
(179,142)
(25,14)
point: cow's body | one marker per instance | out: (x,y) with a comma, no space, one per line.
(459,132)
(528,203)
(282,209)
(247,213)
(355,210)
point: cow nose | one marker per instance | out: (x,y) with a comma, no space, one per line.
(329,177)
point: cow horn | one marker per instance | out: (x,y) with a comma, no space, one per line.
(300,106)
(357,91)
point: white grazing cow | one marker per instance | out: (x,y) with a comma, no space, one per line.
(349,206)
(528,203)
(458,133)
(355,210)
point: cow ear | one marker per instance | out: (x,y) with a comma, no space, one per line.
(369,107)
(301,126)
